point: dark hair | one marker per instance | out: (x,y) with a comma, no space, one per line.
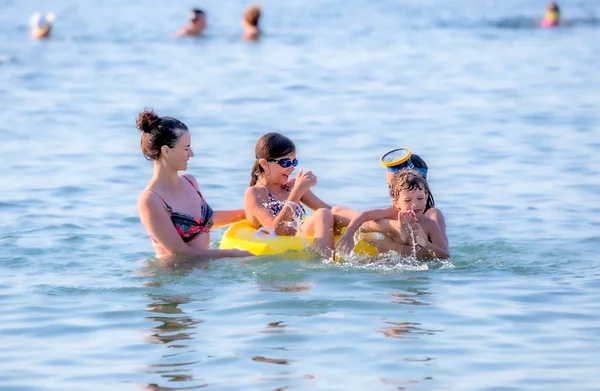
(407,180)
(196,14)
(553,7)
(252,15)
(418,162)
(269,146)
(158,131)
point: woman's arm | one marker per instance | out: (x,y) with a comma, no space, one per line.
(226,217)
(158,223)
(221,217)
(256,205)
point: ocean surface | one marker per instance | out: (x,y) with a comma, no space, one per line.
(506,115)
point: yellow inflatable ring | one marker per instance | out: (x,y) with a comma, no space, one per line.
(243,236)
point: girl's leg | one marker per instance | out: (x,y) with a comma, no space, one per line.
(320,227)
(342,216)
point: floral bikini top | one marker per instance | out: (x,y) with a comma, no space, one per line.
(187,225)
(276,206)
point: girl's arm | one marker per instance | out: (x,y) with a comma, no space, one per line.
(226,217)
(311,200)
(256,204)
(158,223)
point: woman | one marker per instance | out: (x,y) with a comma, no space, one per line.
(171,207)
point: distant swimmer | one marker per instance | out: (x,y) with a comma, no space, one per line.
(196,26)
(41,25)
(552,16)
(250,23)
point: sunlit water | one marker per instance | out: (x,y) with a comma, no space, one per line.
(506,115)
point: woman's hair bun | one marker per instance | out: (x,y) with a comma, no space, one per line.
(147,120)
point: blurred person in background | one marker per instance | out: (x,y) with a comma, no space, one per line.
(552,16)
(250,23)
(196,26)
(41,25)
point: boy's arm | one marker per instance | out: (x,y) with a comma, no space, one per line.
(436,245)
(434,249)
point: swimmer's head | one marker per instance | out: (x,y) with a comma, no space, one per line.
(409,190)
(196,15)
(552,14)
(41,24)
(553,7)
(252,16)
(419,165)
(269,147)
(158,132)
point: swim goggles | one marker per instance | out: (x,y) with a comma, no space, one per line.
(285,163)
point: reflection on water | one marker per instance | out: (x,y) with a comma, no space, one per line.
(175,328)
(290,287)
(172,327)
(402,384)
(279,361)
(275,328)
(533,23)
(409,295)
(173,266)
(403,298)
(521,23)
(401,329)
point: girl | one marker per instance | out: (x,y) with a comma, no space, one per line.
(171,207)
(403,221)
(274,200)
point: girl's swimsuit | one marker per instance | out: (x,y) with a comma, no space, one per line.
(276,206)
(187,225)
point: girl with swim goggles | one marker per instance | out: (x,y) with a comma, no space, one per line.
(275,200)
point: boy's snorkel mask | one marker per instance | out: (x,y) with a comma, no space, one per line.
(398,159)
